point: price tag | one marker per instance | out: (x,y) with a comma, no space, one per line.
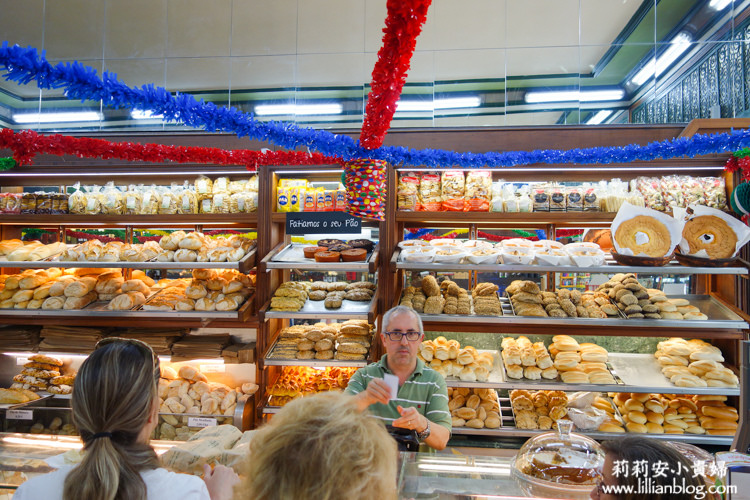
(213,368)
(21,361)
(19,415)
(200,422)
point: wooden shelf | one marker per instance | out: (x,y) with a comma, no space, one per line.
(248,220)
(511,218)
(84,321)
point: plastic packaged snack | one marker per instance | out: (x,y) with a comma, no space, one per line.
(151,200)
(453,183)
(320,199)
(309,201)
(693,191)
(524,198)
(590,197)
(510,200)
(221,203)
(671,189)
(63,203)
(206,206)
(429,193)
(237,186)
(187,201)
(574,199)
(44,202)
(11,203)
(540,195)
(221,185)
(112,200)
(282,199)
(204,188)
(77,200)
(169,200)
(715,191)
(28,203)
(340,203)
(133,200)
(330,200)
(478,191)
(408,191)
(556,198)
(93,204)
(252,184)
(244,202)
(496,201)
(650,188)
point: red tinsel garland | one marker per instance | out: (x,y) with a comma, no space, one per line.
(402,27)
(26,144)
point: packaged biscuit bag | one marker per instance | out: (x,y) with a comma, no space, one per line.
(252,183)
(650,188)
(10,203)
(715,192)
(574,199)
(151,200)
(169,199)
(408,191)
(187,201)
(540,195)
(453,183)
(430,197)
(496,203)
(556,197)
(289,194)
(282,199)
(221,202)
(221,185)
(590,197)
(320,199)
(340,202)
(330,200)
(693,191)
(478,191)
(93,205)
(671,190)
(309,202)
(204,188)
(244,202)
(206,206)
(111,200)
(133,200)
(524,198)
(77,200)
(237,186)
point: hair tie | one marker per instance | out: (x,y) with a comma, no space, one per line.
(101,435)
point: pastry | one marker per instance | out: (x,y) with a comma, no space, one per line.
(644,235)
(354,254)
(310,252)
(339,247)
(327,256)
(712,234)
(365,244)
(328,242)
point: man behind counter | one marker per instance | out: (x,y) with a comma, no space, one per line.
(422,400)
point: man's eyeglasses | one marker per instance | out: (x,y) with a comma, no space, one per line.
(142,346)
(397,336)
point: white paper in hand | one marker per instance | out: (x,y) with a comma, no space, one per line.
(392,382)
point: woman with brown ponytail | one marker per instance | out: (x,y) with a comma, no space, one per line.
(115,408)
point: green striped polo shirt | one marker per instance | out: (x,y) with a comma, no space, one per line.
(425,390)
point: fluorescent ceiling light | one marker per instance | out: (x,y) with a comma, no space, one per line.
(70,116)
(451,103)
(140,114)
(574,95)
(298,109)
(655,67)
(719,4)
(599,117)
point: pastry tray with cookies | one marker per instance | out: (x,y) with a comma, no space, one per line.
(292,256)
(244,265)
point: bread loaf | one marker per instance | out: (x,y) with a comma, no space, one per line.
(54,302)
(192,241)
(135,285)
(80,287)
(109,283)
(79,302)
(126,301)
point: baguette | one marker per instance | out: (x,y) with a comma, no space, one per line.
(58,287)
(54,302)
(34,281)
(135,285)
(79,302)
(80,287)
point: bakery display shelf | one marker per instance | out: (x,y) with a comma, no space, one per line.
(609,267)
(350,309)
(271,361)
(291,257)
(720,317)
(496,377)
(570,219)
(99,309)
(243,266)
(13,406)
(130,220)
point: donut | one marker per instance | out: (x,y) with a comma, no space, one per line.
(712,234)
(644,234)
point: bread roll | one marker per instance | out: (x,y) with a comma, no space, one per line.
(633,405)
(636,428)
(610,426)
(574,377)
(654,428)
(725,412)
(205,304)
(126,301)
(192,241)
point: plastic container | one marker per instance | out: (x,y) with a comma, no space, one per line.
(558,464)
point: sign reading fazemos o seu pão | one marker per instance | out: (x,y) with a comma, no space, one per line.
(322,223)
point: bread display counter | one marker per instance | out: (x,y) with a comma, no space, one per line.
(292,256)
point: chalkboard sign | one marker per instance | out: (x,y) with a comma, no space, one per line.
(322,223)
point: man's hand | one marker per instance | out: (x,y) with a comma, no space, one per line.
(377,392)
(410,419)
(220,481)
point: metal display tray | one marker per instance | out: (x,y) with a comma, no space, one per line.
(719,317)
(350,309)
(508,429)
(99,309)
(243,266)
(292,257)
(610,267)
(269,361)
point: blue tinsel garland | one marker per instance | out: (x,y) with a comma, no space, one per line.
(24,65)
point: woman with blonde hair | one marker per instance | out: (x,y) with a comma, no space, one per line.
(115,408)
(321,448)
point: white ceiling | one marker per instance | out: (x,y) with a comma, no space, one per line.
(194,45)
